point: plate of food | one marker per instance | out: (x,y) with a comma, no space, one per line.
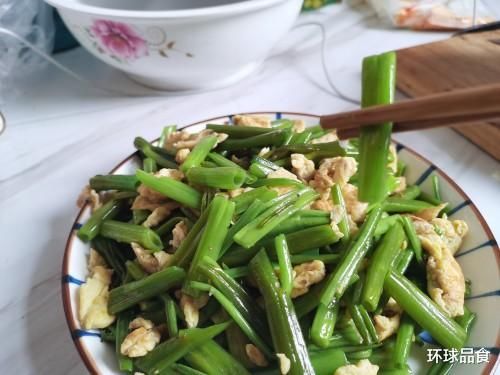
(262,244)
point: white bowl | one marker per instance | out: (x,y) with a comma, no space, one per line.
(479,257)
(180,44)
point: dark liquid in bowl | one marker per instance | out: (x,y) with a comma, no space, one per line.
(149,5)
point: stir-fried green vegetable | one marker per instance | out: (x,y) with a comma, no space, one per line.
(279,250)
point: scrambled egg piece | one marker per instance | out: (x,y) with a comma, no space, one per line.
(441,238)
(355,208)
(284,362)
(252,120)
(151,262)
(393,168)
(191,308)
(393,164)
(181,155)
(282,173)
(141,340)
(95,259)
(446,283)
(305,275)
(363,367)
(141,322)
(255,355)
(440,232)
(331,171)
(172,173)
(94,294)
(302,167)
(299,126)
(235,192)
(91,196)
(330,136)
(159,214)
(387,323)
(335,219)
(401,185)
(182,139)
(179,233)
(323,204)
(431,212)
(149,199)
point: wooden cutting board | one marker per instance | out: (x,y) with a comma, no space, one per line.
(462,61)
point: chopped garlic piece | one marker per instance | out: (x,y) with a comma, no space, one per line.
(263,151)
(191,308)
(285,363)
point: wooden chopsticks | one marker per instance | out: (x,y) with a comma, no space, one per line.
(444,109)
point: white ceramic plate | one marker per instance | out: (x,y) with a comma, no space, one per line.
(479,258)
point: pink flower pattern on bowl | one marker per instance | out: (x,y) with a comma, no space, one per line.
(124,43)
(119,40)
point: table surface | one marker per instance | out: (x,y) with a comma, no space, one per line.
(60,132)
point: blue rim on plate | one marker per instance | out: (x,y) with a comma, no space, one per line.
(67,279)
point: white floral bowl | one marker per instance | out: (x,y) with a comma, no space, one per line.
(180,44)
(479,257)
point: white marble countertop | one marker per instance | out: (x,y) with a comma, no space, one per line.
(61,132)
